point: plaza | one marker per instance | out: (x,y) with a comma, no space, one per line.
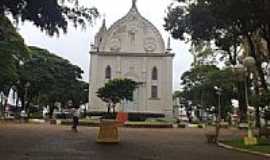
(49,142)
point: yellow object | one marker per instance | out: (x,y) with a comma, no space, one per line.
(249,141)
(108,132)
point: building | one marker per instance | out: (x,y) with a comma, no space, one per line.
(133,48)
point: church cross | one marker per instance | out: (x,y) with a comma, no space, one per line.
(134,3)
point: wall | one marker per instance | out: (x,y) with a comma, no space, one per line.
(138,69)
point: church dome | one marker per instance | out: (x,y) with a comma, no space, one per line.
(132,34)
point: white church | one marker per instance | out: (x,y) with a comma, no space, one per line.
(133,48)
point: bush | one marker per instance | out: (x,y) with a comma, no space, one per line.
(63,115)
(131,116)
(181,125)
(36,115)
(143,116)
(200,126)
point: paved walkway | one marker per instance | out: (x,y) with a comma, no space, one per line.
(46,142)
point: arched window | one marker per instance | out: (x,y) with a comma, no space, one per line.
(108,72)
(155,74)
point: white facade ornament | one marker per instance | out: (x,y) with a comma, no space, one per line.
(133,27)
(150,44)
(115,45)
(169,49)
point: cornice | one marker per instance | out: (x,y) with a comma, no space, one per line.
(112,54)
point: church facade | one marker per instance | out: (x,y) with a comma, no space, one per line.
(133,48)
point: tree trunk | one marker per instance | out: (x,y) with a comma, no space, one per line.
(51,110)
(2,11)
(258,117)
(114,108)
(242,102)
(23,103)
(109,108)
(257,106)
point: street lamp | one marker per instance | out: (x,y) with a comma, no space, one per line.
(26,87)
(2,100)
(249,63)
(248,66)
(219,93)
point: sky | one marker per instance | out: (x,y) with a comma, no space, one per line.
(75,45)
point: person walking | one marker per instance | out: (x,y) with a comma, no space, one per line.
(75,116)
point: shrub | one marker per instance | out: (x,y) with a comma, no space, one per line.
(181,125)
(131,116)
(36,115)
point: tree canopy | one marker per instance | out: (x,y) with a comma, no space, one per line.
(12,51)
(117,90)
(50,16)
(52,79)
(222,23)
(199,87)
(235,30)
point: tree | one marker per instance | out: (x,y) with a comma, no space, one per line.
(232,31)
(53,79)
(12,51)
(199,87)
(50,16)
(117,90)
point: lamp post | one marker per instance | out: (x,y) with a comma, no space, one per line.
(248,67)
(219,93)
(26,87)
(249,63)
(2,97)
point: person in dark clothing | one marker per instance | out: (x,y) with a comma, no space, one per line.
(75,117)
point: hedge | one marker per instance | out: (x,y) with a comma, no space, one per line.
(132,116)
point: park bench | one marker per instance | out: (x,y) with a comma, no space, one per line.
(211,138)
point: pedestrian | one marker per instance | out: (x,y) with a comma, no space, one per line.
(75,116)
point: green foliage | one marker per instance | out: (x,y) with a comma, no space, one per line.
(50,15)
(199,87)
(12,51)
(177,94)
(222,23)
(53,79)
(235,28)
(117,90)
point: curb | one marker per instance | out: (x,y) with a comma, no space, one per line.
(243,150)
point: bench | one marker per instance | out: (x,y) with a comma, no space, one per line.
(211,138)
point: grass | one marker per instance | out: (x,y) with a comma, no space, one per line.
(147,123)
(161,120)
(263,146)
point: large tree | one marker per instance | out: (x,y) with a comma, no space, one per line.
(12,51)
(199,87)
(231,30)
(50,16)
(52,79)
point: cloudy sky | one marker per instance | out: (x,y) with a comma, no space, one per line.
(75,45)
